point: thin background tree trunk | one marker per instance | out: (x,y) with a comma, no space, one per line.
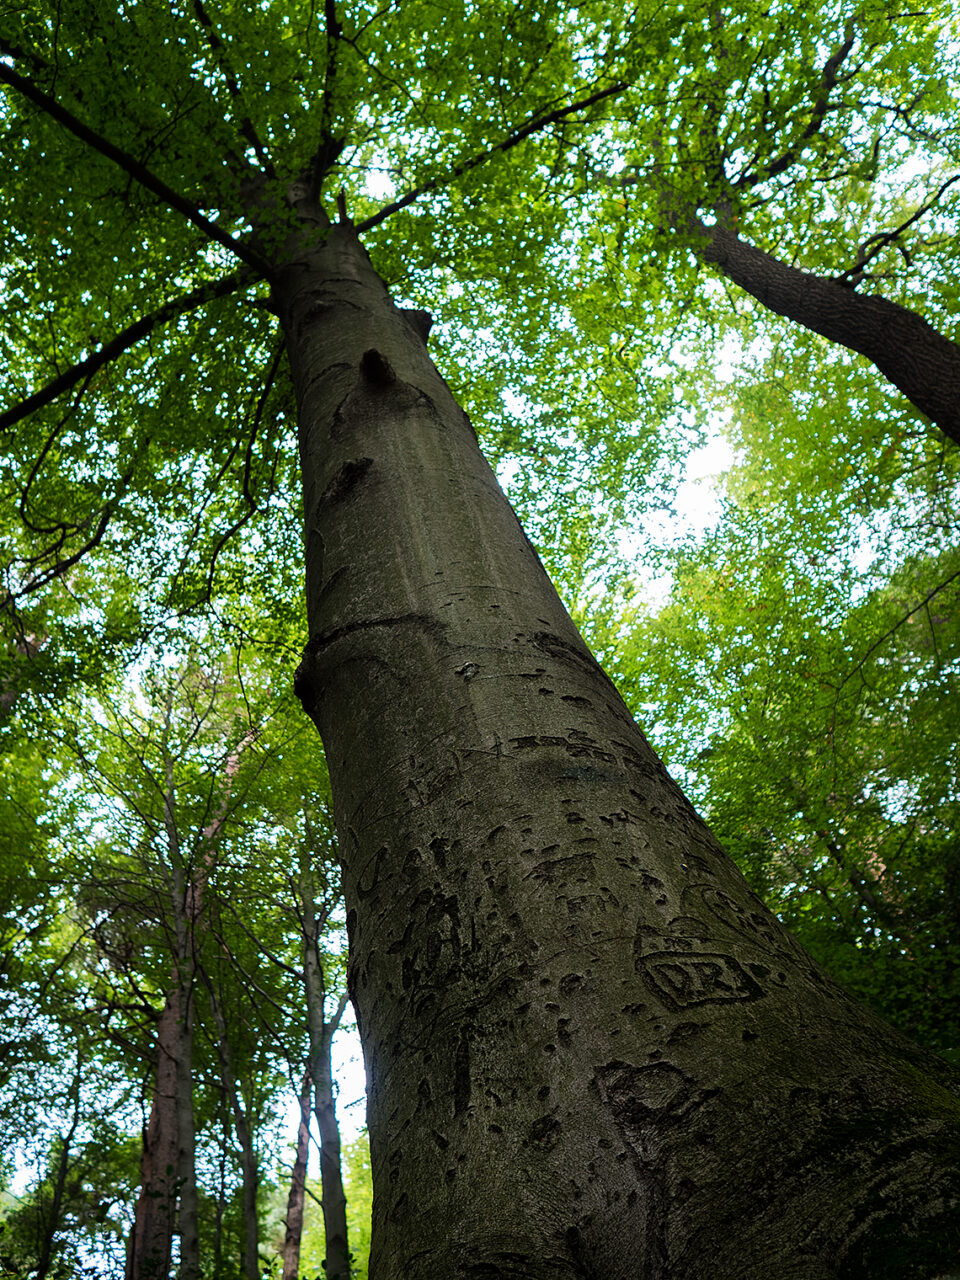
(319,1067)
(63,1166)
(298,1183)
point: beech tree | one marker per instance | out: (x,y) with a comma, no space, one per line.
(591,1050)
(839,133)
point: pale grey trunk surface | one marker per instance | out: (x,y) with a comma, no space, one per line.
(332,1198)
(293,1230)
(250,1170)
(592,1052)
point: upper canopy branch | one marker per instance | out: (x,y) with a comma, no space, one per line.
(244,122)
(906,348)
(85,369)
(133,167)
(506,144)
(828,81)
(329,147)
(877,243)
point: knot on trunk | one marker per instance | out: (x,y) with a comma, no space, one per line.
(421,322)
(376,370)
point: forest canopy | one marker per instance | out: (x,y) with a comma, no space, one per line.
(632,238)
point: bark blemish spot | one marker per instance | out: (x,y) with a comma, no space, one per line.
(684,1030)
(439,848)
(346,479)
(544,1132)
(577,701)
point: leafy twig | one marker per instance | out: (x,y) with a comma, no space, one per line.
(507,144)
(133,167)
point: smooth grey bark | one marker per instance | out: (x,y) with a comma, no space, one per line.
(591,1051)
(907,350)
(293,1231)
(249,1169)
(320,1070)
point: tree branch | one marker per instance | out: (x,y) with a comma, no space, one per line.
(246,125)
(906,348)
(507,144)
(134,168)
(883,238)
(85,369)
(330,147)
(828,80)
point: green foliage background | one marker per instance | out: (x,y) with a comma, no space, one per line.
(531,173)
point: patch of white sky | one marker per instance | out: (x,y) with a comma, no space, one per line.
(697,503)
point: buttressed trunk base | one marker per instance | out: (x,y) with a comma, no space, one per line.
(591,1051)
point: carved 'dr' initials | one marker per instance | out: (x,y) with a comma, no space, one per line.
(684,979)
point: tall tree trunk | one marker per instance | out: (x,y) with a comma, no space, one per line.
(320,1068)
(168,1187)
(917,359)
(332,1198)
(189,1216)
(298,1186)
(591,1051)
(249,1171)
(151,1239)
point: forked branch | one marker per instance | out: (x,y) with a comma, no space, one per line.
(85,369)
(133,167)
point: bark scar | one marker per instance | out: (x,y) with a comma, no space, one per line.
(347,478)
